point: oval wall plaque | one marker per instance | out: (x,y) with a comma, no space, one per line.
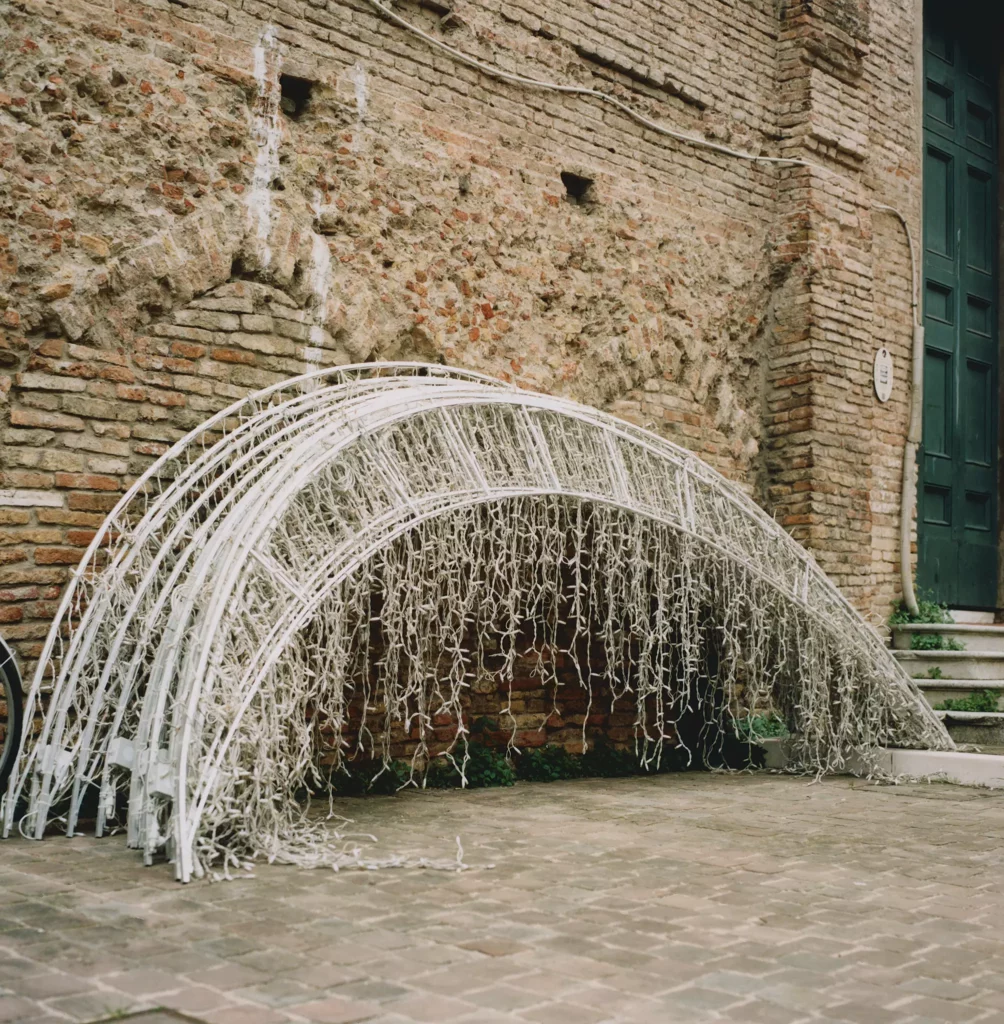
(883,374)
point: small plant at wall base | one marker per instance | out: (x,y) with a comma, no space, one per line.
(985,700)
(548,764)
(485,768)
(928,612)
(601,761)
(760,727)
(935,642)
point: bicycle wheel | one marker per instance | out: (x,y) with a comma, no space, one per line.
(11,711)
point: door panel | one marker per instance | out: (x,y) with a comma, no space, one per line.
(976,410)
(979,126)
(940,304)
(938,404)
(977,511)
(979,225)
(939,203)
(957,512)
(937,505)
(978,316)
(939,104)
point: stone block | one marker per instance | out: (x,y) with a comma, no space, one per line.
(257,323)
(32,499)
(93,408)
(292,329)
(45,420)
(48,382)
(267,344)
(207,319)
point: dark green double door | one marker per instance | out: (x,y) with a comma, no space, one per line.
(957,512)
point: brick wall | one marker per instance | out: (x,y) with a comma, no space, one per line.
(545,705)
(156,261)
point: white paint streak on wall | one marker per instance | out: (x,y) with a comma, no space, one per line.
(50,499)
(320,275)
(267,133)
(359,80)
(319,282)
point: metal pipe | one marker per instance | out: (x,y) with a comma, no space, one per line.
(908,490)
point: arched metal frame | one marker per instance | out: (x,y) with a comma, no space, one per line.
(170,643)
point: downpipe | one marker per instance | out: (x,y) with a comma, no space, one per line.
(908,487)
(908,504)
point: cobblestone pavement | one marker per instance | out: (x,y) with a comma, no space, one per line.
(679,898)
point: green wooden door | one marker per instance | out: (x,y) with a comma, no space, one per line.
(957,499)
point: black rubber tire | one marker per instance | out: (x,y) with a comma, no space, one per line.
(12,696)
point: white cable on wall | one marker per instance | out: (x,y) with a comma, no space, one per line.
(582,90)
(908,495)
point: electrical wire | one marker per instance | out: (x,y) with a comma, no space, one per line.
(582,90)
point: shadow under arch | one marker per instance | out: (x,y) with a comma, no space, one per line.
(188,623)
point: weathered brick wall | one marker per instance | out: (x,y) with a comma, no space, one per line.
(847,78)
(893,172)
(154,264)
(544,705)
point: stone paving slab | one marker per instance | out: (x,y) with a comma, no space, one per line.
(749,898)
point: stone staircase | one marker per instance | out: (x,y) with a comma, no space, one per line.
(944,675)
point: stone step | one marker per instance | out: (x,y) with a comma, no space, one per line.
(974,637)
(959,615)
(981,665)
(983,728)
(963,768)
(939,690)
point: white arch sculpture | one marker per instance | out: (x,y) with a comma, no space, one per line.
(225,607)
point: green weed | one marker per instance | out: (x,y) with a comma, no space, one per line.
(986,700)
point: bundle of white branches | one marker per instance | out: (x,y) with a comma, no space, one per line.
(221,624)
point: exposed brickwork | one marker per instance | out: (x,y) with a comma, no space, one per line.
(722,303)
(819,393)
(545,705)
